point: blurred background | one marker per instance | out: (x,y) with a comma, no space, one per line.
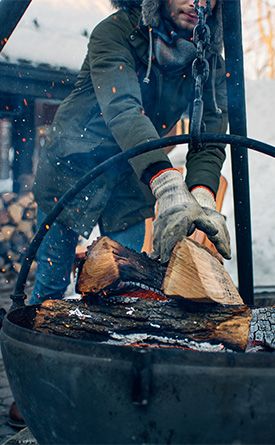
(38,67)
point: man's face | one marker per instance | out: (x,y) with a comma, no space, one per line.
(183,12)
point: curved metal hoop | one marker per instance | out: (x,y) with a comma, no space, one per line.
(119,161)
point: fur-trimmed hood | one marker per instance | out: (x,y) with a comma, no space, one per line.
(151,16)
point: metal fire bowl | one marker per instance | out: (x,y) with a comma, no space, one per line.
(83,392)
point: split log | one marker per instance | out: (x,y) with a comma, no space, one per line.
(144,322)
(8,197)
(17,227)
(110,266)
(16,212)
(7,232)
(13,256)
(26,227)
(196,273)
(25,200)
(4,217)
(29,213)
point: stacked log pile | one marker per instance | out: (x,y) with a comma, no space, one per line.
(129,299)
(17,227)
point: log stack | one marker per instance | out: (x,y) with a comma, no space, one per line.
(129,299)
(17,227)
(194,273)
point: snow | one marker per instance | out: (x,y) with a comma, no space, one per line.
(51,31)
(57,31)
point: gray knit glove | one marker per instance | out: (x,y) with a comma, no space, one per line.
(179,214)
(222,238)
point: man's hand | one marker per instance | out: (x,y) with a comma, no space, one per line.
(179,214)
(222,238)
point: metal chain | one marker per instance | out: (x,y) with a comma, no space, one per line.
(200,69)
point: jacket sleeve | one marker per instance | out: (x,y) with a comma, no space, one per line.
(118,92)
(204,167)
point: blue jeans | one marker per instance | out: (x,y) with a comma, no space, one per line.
(55,257)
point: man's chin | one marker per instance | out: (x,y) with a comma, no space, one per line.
(184,24)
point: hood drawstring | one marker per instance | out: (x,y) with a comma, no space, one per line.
(213,85)
(150,56)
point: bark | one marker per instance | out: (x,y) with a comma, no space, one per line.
(142,321)
(109,266)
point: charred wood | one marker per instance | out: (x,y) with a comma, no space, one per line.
(142,321)
(110,267)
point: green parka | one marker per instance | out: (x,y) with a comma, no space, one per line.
(112,109)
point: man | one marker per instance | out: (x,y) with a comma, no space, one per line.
(134,85)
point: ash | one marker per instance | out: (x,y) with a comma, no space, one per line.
(160,341)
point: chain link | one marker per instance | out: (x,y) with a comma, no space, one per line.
(200,69)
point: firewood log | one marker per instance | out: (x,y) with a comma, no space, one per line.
(4,217)
(25,227)
(109,266)
(196,273)
(29,214)
(13,256)
(17,227)
(193,273)
(8,198)
(145,322)
(7,232)
(26,200)
(16,212)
